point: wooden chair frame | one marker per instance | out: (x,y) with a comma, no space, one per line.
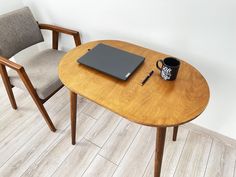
(24,77)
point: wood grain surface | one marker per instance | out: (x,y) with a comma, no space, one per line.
(158,103)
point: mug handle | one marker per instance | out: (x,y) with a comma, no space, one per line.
(157,64)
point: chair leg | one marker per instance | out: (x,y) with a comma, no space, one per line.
(175,132)
(24,77)
(43,112)
(73,109)
(7,85)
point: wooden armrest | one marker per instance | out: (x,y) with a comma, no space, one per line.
(10,64)
(58,29)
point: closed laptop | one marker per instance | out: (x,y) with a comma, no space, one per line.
(111,61)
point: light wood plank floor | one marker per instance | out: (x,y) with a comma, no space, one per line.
(107,144)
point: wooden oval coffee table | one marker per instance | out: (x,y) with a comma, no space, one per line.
(158,103)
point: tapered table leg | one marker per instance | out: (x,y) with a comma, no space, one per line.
(73,110)
(175,133)
(160,143)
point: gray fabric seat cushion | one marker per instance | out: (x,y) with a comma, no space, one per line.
(42,71)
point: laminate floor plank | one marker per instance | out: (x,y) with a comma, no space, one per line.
(194,158)
(24,132)
(17,139)
(3,92)
(54,156)
(139,154)
(172,153)
(103,128)
(14,120)
(100,167)
(120,140)
(149,172)
(21,98)
(224,139)
(94,110)
(23,158)
(221,161)
(78,161)
(235,169)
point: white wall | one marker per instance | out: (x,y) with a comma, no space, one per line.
(9,5)
(202,32)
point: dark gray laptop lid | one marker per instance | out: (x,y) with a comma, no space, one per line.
(112,61)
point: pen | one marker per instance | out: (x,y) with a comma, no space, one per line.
(148,76)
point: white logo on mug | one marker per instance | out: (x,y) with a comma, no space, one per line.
(166,73)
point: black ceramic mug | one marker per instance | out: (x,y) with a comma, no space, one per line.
(169,68)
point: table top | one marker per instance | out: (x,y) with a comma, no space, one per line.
(158,103)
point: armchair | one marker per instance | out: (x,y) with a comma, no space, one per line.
(37,74)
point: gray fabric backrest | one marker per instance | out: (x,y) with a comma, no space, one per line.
(18,30)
